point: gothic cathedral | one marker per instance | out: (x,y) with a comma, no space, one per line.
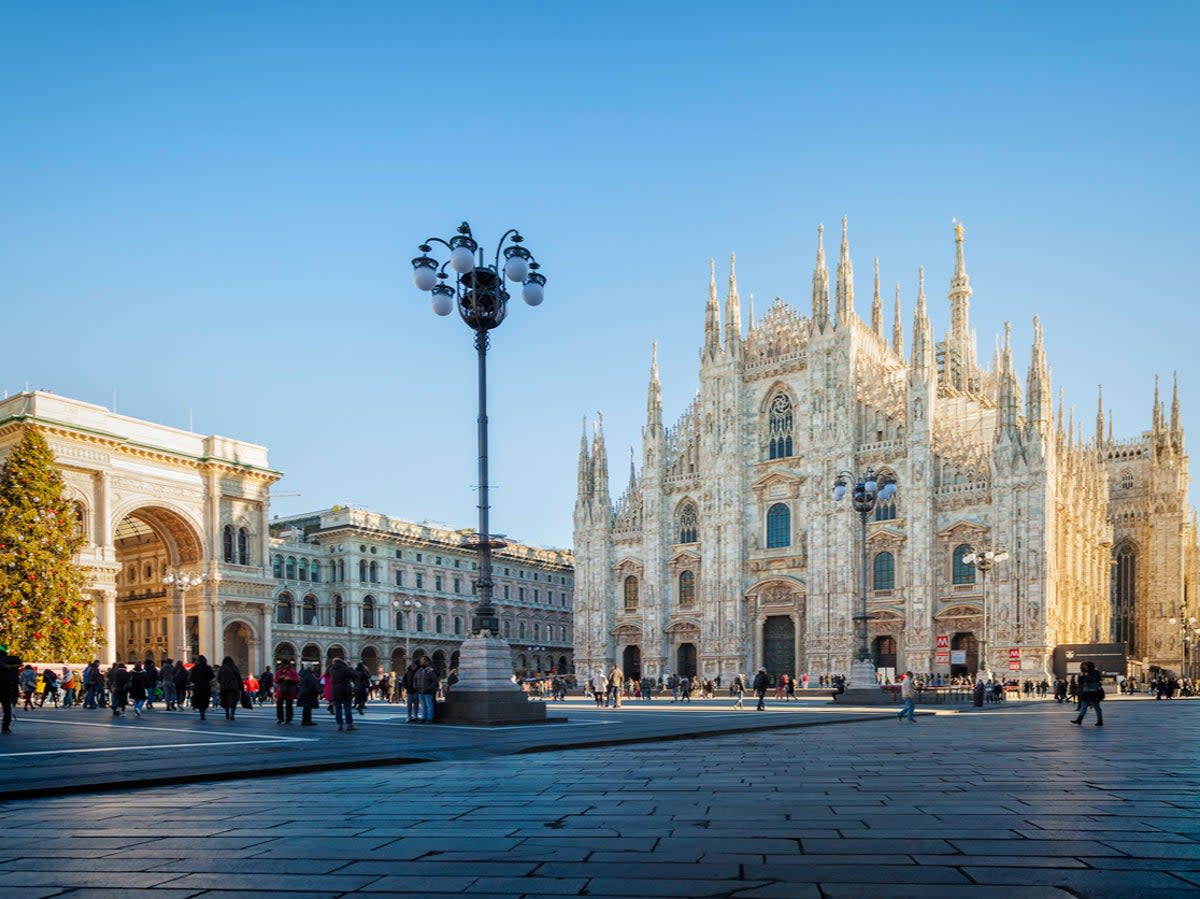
(727,552)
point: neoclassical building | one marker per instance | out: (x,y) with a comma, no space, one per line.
(361,585)
(154,502)
(726,551)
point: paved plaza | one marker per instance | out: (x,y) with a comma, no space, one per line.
(1006,802)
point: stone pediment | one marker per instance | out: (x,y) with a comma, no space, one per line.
(627,630)
(958,611)
(964,530)
(684,626)
(628,565)
(778,484)
(885,537)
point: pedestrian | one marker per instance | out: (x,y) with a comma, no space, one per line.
(229,685)
(266,685)
(780,686)
(616,683)
(791,689)
(200,678)
(91,684)
(152,679)
(287,687)
(10,686)
(70,684)
(29,682)
(138,689)
(427,686)
(362,687)
(118,688)
(908,693)
(166,676)
(182,681)
(411,698)
(342,678)
(308,697)
(738,688)
(761,682)
(49,686)
(1091,693)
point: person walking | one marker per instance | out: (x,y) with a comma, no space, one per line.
(908,693)
(10,686)
(200,678)
(49,686)
(411,698)
(1091,693)
(229,685)
(362,688)
(342,679)
(166,677)
(309,696)
(29,682)
(152,679)
(266,686)
(287,687)
(427,687)
(91,684)
(118,688)
(182,680)
(616,685)
(138,688)
(761,682)
(738,688)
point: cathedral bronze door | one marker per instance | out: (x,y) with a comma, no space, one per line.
(631,663)
(685,658)
(779,646)
(964,647)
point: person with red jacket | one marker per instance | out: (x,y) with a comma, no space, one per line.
(287,687)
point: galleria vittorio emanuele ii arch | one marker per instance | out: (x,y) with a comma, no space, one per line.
(160,504)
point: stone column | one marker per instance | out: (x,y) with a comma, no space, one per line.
(757,661)
(107,618)
(798,642)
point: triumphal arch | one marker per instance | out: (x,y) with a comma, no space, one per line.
(176,527)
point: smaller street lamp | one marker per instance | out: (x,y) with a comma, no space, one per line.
(409,604)
(983,560)
(1185,624)
(182,581)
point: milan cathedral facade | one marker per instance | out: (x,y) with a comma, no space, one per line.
(726,552)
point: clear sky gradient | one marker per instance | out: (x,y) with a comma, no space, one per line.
(209,211)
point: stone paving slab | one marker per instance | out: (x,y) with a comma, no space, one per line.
(864,809)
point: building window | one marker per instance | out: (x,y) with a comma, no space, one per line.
(688,523)
(399,578)
(508,628)
(1124,599)
(885,571)
(687,588)
(308,614)
(438,624)
(506,591)
(243,542)
(374,572)
(277,567)
(962,572)
(1126,480)
(283,609)
(304,569)
(368,612)
(521,630)
(885,510)
(227,543)
(362,571)
(779,427)
(631,594)
(564,633)
(437,583)
(420,581)
(537,631)
(291,568)
(779,526)
(420,622)
(316,571)
(341,570)
(339,612)
(521,594)
(400,622)
(458,585)
(458,625)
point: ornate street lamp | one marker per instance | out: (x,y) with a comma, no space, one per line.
(479,290)
(182,581)
(410,604)
(1185,624)
(983,560)
(865,494)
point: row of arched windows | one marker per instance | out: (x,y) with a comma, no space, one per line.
(686,596)
(294,569)
(238,541)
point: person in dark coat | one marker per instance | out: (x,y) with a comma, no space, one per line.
(10,679)
(182,678)
(266,684)
(309,697)
(1091,692)
(362,687)
(342,679)
(761,682)
(287,685)
(410,692)
(152,677)
(229,683)
(427,687)
(201,680)
(118,686)
(137,688)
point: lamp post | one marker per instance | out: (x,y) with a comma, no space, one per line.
(479,290)
(182,581)
(409,604)
(1186,624)
(865,494)
(983,561)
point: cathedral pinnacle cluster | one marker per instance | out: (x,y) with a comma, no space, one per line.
(725,552)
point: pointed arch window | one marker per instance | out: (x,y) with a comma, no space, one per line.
(963,573)
(1124,598)
(884,571)
(687,589)
(780,420)
(779,526)
(243,547)
(631,594)
(688,523)
(227,543)
(885,510)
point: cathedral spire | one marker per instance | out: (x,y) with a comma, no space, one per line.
(922,350)
(585,465)
(1009,389)
(1060,433)
(1099,416)
(733,312)
(1156,417)
(1176,422)
(877,306)
(712,316)
(820,289)
(600,492)
(632,473)
(898,327)
(749,313)
(654,394)
(845,280)
(1039,400)
(1110,427)
(959,342)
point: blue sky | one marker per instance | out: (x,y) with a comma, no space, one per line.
(210,211)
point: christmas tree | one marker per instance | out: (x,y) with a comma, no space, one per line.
(43,613)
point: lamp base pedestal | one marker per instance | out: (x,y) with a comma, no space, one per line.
(863,689)
(485,694)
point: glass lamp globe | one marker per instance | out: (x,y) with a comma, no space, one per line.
(533,291)
(516,269)
(870,485)
(443,301)
(462,260)
(839,492)
(887,491)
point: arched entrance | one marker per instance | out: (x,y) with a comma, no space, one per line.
(965,649)
(779,645)
(631,663)
(285,652)
(237,642)
(454,657)
(562,665)
(883,651)
(336,651)
(370,658)
(439,662)
(153,619)
(685,660)
(399,662)
(311,655)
